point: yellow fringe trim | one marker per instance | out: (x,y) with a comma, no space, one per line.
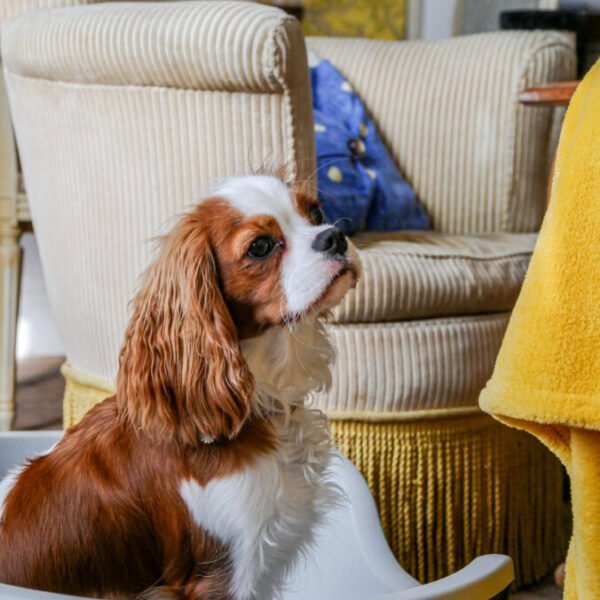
(451,490)
(82,392)
(447,489)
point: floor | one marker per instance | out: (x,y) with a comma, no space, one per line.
(40,386)
(39,378)
(39,349)
(545,590)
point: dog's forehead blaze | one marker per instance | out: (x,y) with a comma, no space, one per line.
(220,212)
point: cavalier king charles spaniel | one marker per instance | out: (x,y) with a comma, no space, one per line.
(206,474)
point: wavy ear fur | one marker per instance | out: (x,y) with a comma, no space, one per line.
(182,374)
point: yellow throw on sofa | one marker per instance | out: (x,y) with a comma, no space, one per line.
(126,113)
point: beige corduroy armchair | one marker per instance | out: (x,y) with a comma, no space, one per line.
(124,115)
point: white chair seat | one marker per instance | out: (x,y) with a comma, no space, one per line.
(350,561)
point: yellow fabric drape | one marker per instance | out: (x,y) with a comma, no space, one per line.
(547,376)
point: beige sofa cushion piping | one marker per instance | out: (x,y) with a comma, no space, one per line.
(410,275)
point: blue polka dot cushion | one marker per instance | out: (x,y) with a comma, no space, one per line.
(359,184)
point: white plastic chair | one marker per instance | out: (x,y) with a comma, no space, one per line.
(351,559)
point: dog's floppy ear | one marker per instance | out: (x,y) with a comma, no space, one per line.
(181,372)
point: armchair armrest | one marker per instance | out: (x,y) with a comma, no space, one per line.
(11,8)
(550,94)
(251,50)
(9,176)
(449,113)
(212,45)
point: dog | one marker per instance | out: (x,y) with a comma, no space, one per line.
(205,476)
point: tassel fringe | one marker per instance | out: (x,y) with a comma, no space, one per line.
(449,490)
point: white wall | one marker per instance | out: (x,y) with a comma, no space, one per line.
(36,330)
(437,18)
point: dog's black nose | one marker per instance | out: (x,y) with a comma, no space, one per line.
(331,241)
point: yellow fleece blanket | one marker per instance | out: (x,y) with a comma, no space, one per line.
(547,376)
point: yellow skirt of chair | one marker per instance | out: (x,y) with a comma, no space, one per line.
(81,394)
(448,489)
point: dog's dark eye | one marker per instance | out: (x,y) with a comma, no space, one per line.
(261,247)
(316,215)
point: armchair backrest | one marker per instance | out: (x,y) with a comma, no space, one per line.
(449,112)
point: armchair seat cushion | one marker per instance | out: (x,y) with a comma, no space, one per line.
(414,275)
(411,369)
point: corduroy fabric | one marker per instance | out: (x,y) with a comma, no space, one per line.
(163,44)
(216,46)
(448,111)
(394,369)
(449,490)
(391,371)
(126,181)
(409,275)
(12,8)
(398,371)
(10,181)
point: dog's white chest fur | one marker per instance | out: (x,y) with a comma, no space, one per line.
(267,513)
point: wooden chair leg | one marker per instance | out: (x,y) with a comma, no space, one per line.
(10,272)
